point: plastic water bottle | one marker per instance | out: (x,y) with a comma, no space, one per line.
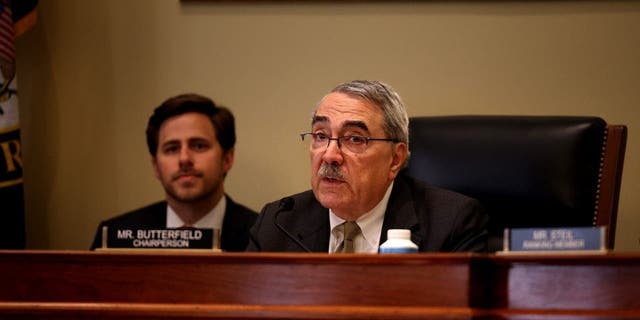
(398,241)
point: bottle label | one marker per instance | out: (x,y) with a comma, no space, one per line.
(398,250)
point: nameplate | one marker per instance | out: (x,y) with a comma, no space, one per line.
(115,238)
(555,240)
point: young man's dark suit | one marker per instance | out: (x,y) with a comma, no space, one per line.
(439,220)
(235,225)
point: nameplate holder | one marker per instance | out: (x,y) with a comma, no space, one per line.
(570,240)
(160,239)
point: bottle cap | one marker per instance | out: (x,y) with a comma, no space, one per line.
(399,234)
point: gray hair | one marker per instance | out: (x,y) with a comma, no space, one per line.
(383,96)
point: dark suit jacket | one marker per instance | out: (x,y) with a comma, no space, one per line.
(235,225)
(439,220)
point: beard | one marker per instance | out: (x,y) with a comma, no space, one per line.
(190,195)
(192,191)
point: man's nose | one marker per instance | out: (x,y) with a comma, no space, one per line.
(333,152)
(185,155)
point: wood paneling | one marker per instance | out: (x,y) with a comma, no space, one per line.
(108,285)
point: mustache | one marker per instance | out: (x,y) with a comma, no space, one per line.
(330,171)
(181,173)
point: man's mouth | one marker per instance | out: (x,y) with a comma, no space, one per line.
(332,180)
(187,176)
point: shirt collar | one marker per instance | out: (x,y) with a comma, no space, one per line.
(211,220)
(370,223)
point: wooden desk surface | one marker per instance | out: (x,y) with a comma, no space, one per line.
(160,285)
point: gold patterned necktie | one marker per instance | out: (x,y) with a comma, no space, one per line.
(351,230)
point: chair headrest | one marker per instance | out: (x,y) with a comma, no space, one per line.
(527,171)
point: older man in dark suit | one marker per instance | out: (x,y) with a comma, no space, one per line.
(359,142)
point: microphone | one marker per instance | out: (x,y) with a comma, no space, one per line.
(286,204)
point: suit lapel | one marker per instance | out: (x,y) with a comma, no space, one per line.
(156,217)
(232,226)
(314,231)
(401,212)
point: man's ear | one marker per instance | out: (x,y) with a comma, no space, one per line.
(227,160)
(156,171)
(400,154)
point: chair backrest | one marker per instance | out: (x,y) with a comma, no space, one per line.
(527,171)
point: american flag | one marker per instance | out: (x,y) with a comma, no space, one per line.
(15,18)
(7,33)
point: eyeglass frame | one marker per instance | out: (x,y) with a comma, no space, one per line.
(339,142)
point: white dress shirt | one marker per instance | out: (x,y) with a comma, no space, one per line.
(370,223)
(211,220)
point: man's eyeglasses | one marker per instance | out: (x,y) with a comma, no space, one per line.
(353,143)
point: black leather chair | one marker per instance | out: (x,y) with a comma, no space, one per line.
(527,171)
